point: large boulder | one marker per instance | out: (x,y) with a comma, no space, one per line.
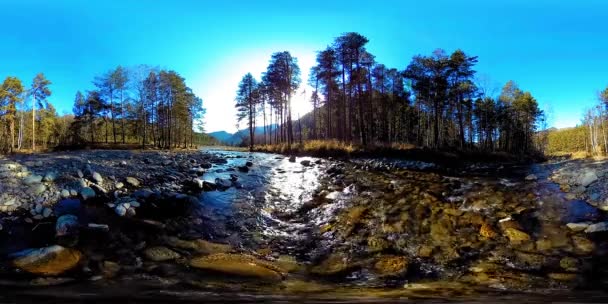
(53,260)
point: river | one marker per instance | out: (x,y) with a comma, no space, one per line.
(364,230)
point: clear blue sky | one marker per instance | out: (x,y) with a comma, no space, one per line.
(555,49)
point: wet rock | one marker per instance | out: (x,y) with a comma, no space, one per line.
(96,177)
(36,189)
(569,264)
(243,169)
(67,206)
(160,254)
(87,193)
(516,236)
(239,265)
(531,177)
(79,173)
(249,164)
(598,227)
(53,260)
(109,269)
(305,163)
(65,193)
(200,246)
(46,212)
(583,245)
(119,185)
(577,227)
(487,231)
(132,181)
(50,177)
(335,264)
(120,210)
(67,225)
(391,265)
(333,195)
(222,183)
(292,159)
(587,178)
(32,179)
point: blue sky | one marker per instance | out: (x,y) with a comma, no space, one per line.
(555,49)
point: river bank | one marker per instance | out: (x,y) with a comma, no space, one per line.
(232,221)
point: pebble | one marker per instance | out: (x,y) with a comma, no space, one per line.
(46,212)
(120,210)
(87,193)
(132,181)
(65,193)
(119,185)
(97,178)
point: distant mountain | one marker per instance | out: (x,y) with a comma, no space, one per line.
(235,139)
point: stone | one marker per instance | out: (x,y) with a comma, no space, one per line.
(122,163)
(223,183)
(580,211)
(53,260)
(132,181)
(97,178)
(100,227)
(292,159)
(200,246)
(120,210)
(391,266)
(239,265)
(335,264)
(87,193)
(119,185)
(249,164)
(131,212)
(487,231)
(333,195)
(67,206)
(587,178)
(32,179)
(143,193)
(109,269)
(67,225)
(569,264)
(305,163)
(598,227)
(160,254)
(50,177)
(577,227)
(516,236)
(65,193)
(36,189)
(531,177)
(583,245)
(73,192)
(46,212)
(243,169)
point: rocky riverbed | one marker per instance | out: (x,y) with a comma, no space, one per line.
(247,225)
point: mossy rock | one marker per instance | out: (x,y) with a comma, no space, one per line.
(53,260)
(391,265)
(239,265)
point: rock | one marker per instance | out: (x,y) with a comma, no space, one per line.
(333,195)
(109,269)
(79,173)
(87,193)
(587,178)
(566,277)
(100,227)
(120,210)
(50,177)
(391,266)
(243,169)
(531,177)
(305,163)
(96,177)
(580,211)
(122,163)
(239,265)
(46,212)
(292,159)
(577,227)
(36,189)
(487,231)
(583,245)
(160,254)
(65,193)
(167,162)
(53,260)
(131,212)
(143,194)
(67,225)
(132,181)
(249,164)
(119,185)
(73,192)
(222,183)
(200,246)
(516,236)
(598,227)
(335,264)
(569,264)
(32,179)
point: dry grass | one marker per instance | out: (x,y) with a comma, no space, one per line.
(574,155)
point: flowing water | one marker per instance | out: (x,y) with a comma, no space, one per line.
(360,231)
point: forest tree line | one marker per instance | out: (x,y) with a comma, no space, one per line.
(590,136)
(140,105)
(434,102)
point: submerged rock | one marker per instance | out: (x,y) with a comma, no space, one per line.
(160,254)
(53,260)
(239,265)
(87,193)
